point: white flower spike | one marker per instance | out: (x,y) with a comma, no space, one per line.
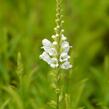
(50,54)
(56,53)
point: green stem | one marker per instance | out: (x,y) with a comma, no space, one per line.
(58,100)
(58,88)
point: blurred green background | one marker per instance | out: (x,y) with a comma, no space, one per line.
(23,25)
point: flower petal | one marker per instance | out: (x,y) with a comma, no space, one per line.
(50,51)
(54,63)
(65,47)
(46,42)
(64,57)
(66,65)
(55,43)
(63,37)
(44,56)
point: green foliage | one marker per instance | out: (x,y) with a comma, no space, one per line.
(24,79)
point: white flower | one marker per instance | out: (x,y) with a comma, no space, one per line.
(55,36)
(55,43)
(50,51)
(44,56)
(58,26)
(62,30)
(66,65)
(64,57)
(65,44)
(65,47)
(54,63)
(46,42)
(48,47)
(63,38)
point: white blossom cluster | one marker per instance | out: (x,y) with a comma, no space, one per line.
(52,56)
